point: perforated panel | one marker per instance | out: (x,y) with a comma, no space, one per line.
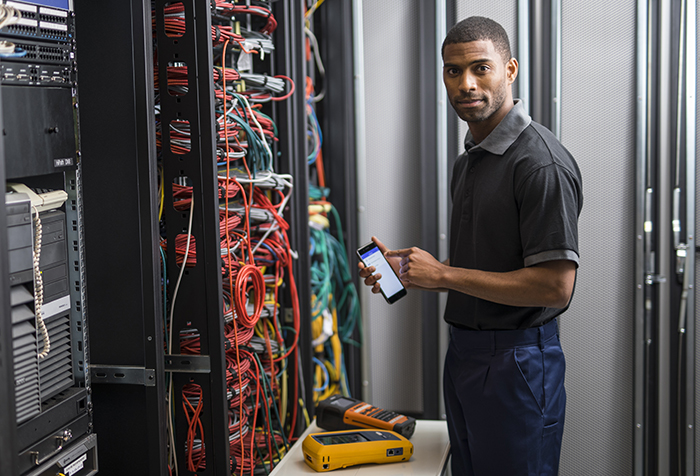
(392,332)
(505,13)
(598,128)
(56,370)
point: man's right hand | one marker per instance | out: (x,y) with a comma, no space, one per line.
(372,280)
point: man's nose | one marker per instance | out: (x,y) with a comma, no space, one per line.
(468,82)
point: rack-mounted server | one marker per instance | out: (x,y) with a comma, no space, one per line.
(50,351)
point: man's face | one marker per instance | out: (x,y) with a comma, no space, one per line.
(478,81)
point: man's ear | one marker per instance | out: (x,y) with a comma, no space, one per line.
(512,70)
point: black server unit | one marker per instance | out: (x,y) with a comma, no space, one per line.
(47,345)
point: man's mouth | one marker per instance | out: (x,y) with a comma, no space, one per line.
(469,102)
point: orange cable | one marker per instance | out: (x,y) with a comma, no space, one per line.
(228,247)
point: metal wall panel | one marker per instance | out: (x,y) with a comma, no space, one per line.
(505,13)
(598,127)
(392,335)
(697,268)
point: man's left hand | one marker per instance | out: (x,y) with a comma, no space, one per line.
(419,268)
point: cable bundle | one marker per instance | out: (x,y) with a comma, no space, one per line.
(256,131)
(335,310)
(175,25)
(9,15)
(192,405)
(232,9)
(335,305)
(179,135)
(262,375)
(182,194)
(261,87)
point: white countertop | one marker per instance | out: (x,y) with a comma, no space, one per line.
(431,450)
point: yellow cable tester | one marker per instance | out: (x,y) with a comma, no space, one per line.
(338,449)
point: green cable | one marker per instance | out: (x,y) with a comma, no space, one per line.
(330,273)
(260,453)
(269,416)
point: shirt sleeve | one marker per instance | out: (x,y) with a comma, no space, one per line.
(550,202)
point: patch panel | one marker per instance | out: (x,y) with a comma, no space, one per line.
(37,52)
(40,22)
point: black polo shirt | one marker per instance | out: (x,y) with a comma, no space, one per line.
(516,200)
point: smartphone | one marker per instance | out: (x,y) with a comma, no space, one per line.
(391,287)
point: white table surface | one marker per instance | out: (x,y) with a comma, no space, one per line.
(431,449)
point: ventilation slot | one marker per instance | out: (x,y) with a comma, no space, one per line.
(24,350)
(56,370)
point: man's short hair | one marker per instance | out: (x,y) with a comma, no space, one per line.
(476,29)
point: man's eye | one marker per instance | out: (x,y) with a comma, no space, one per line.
(482,68)
(452,71)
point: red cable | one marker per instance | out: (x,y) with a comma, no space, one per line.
(228,247)
(192,424)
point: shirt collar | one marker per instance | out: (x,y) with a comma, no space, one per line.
(504,134)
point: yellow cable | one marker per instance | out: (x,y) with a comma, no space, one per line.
(335,340)
(332,379)
(274,285)
(283,408)
(316,331)
(271,328)
(306,413)
(258,329)
(161,193)
(317,381)
(313,9)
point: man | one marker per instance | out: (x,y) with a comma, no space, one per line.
(516,195)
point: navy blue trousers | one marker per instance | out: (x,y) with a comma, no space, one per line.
(505,401)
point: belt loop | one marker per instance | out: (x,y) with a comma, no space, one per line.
(541,333)
(493,343)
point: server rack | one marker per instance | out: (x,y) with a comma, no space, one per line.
(129,368)
(46,353)
(117,185)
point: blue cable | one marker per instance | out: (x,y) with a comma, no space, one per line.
(325,372)
(18,53)
(269,249)
(312,246)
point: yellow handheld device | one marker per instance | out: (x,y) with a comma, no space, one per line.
(342,413)
(339,449)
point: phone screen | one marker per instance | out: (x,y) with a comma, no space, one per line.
(391,285)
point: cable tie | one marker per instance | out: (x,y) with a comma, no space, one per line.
(218,33)
(265,80)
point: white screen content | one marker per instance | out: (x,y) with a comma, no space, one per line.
(389,281)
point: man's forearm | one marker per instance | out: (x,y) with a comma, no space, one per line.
(549,284)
